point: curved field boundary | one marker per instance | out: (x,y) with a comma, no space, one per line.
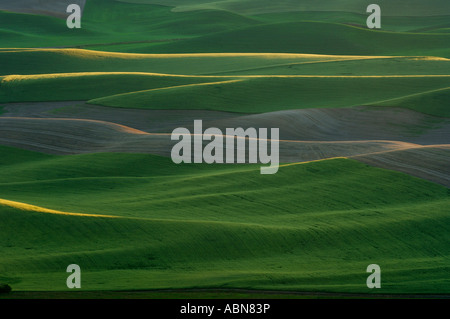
(33,208)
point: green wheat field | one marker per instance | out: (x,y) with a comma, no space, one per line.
(85,170)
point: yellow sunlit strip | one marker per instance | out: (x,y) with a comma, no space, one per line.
(102,54)
(236,77)
(27,207)
(123,55)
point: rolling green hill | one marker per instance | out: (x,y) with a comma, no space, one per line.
(413,24)
(83,86)
(44,61)
(311,80)
(139,221)
(435,102)
(144,28)
(106,21)
(357,66)
(308,37)
(215,226)
(390,8)
(272,93)
(247,94)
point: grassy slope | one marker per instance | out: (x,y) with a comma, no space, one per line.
(313,33)
(42,61)
(369,66)
(269,93)
(266,94)
(235,94)
(106,21)
(116,26)
(309,37)
(443,30)
(390,8)
(198,228)
(83,86)
(435,102)
(397,24)
(211,226)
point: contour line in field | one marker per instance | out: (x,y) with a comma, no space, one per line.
(28,207)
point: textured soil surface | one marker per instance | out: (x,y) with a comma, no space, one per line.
(397,139)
